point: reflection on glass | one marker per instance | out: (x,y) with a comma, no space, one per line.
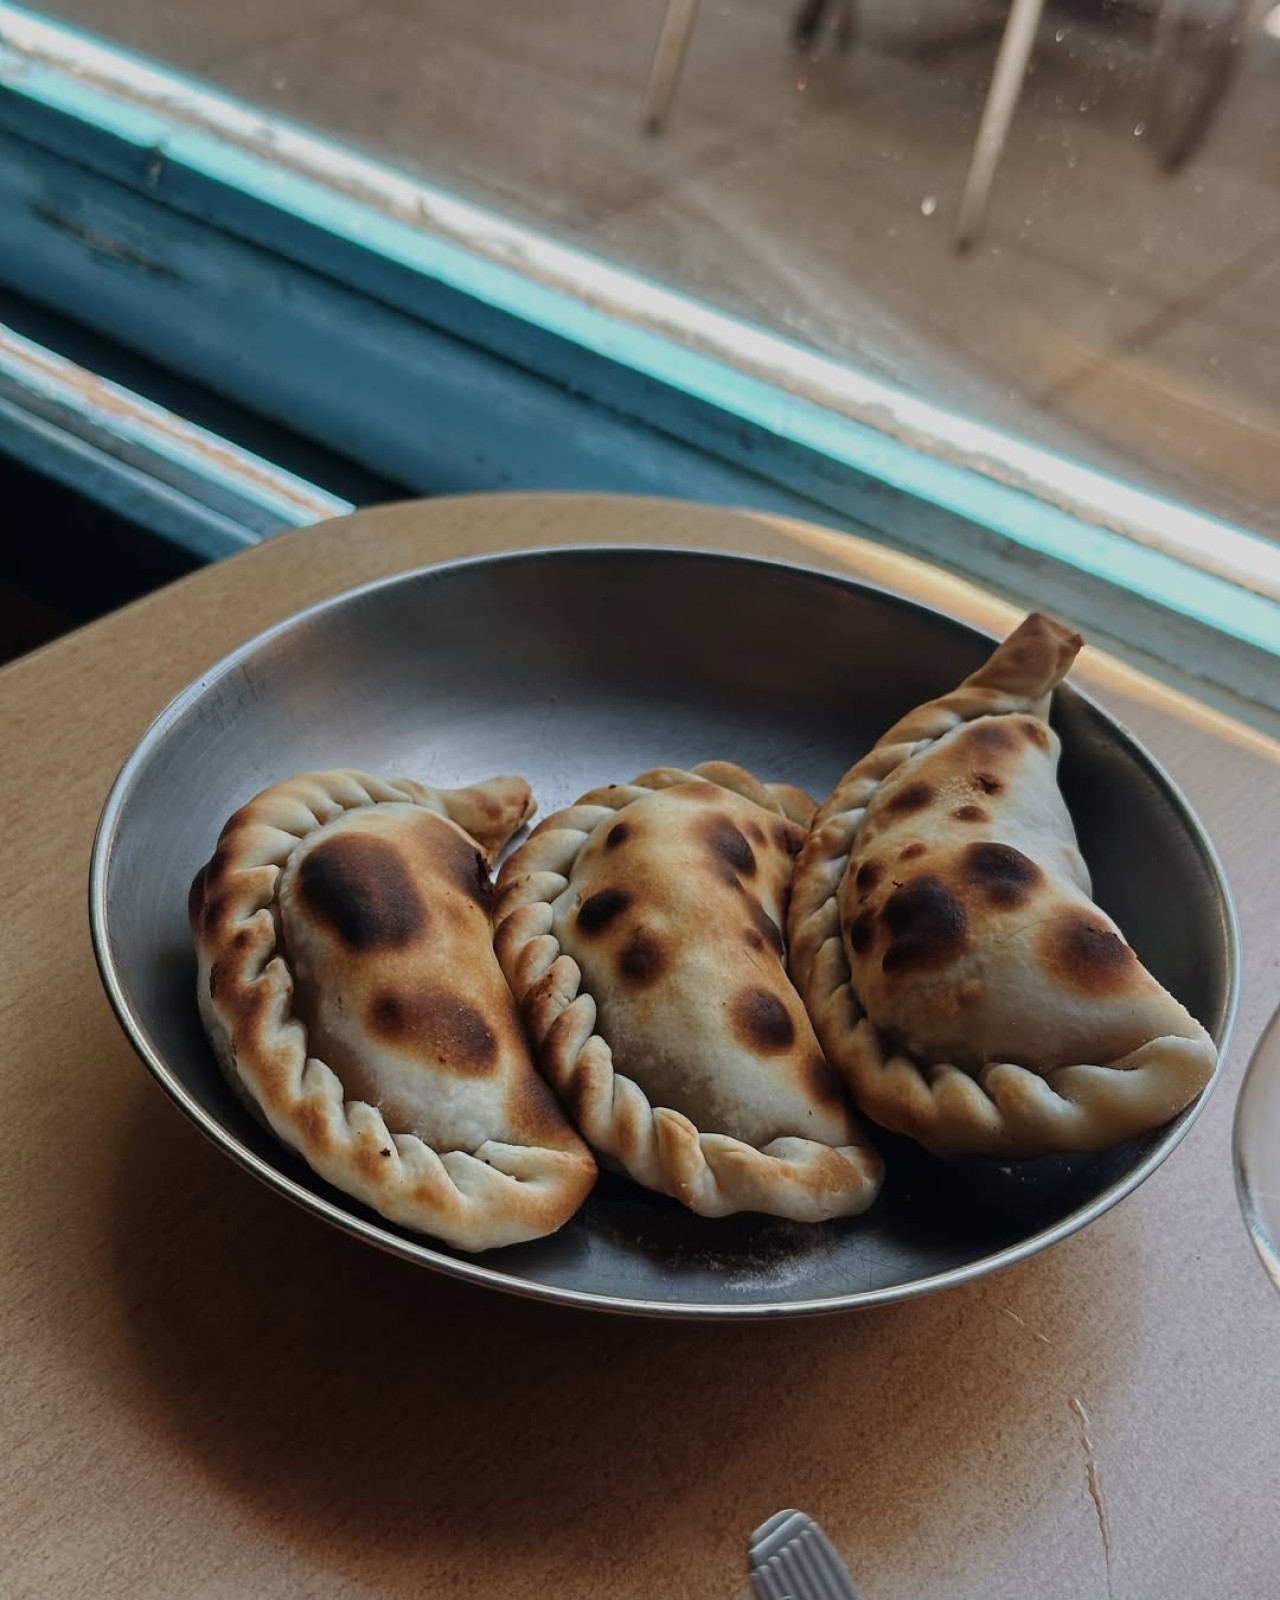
(1257,1146)
(1119,299)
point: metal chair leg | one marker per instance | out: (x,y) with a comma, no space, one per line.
(997,114)
(1177,141)
(811,21)
(1163,65)
(668,59)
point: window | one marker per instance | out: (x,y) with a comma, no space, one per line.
(435,237)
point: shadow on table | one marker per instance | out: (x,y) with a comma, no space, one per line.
(367,1409)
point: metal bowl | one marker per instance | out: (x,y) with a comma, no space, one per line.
(582,666)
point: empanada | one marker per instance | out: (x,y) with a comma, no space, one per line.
(641,932)
(348,984)
(943,936)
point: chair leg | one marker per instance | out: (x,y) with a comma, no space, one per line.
(811,21)
(1163,66)
(997,114)
(1176,143)
(846,24)
(668,59)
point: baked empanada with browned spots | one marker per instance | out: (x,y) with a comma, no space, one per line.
(943,936)
(348,984)
(641,930)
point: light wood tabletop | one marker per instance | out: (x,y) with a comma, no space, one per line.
(207,1392)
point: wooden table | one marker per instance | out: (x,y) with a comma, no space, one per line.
(206,1392)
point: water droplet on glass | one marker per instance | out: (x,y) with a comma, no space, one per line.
(1199,188)
(1060,35)
(1139,128)
(929,205)
(1084,105)
(802,84)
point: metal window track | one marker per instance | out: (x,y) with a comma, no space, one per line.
(156,469)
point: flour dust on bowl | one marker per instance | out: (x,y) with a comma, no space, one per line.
(581,667)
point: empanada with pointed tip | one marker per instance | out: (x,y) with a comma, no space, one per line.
(943,936)
(641,932)
(348,984)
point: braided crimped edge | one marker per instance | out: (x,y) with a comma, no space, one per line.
(1005,1109)
(662,1149)
(500,1193)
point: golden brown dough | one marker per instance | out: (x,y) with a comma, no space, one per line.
(641,931)
(943,936)
(348,983)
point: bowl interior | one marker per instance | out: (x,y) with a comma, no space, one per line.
(579,667)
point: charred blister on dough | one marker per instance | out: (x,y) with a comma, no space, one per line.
(926,923)
(1086,956)
(760,1021)
(600,910)
(729,845)
(360,888)
(1004,876)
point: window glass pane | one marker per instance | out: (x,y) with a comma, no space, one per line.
(1121,313)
